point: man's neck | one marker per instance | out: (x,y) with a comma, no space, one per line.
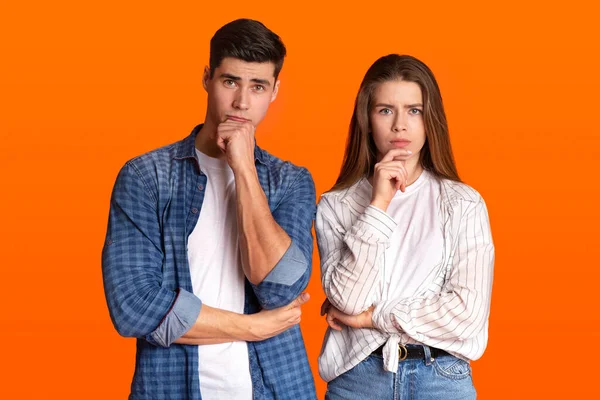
(206,141)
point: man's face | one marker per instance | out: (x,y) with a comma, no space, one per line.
(240,91)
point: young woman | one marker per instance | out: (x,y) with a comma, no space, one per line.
(406,250)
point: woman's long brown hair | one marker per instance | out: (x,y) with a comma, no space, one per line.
(361,153)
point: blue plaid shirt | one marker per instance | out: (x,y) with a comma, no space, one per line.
(154,207)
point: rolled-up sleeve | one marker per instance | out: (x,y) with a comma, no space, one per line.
(295,215)
(178,320)
(132,257)
(350,260)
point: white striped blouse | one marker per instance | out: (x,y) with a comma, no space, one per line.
(447,308)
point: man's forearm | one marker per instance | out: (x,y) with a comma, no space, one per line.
(215,326)
(262,241)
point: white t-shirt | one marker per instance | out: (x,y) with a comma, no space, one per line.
(416,244)
(218,280)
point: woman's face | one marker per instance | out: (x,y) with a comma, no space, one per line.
(396,117)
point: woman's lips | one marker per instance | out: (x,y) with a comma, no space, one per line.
(400,143)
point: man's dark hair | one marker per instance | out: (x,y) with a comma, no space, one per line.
(247,40)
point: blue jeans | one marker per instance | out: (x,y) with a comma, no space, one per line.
(446,377)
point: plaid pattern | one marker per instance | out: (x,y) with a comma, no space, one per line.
(155,205)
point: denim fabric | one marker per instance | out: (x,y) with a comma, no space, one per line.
(445,377)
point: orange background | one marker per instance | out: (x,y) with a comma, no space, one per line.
(86,86)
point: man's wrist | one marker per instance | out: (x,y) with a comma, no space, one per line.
(244,171)
(249,330)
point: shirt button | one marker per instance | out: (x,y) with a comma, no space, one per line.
(200,187)
(194,210)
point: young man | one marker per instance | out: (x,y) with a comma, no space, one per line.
(209,244)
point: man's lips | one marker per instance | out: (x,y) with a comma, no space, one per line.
(237,119)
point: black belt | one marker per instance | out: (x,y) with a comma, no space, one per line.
(414,352)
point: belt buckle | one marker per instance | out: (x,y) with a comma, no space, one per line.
(402,352)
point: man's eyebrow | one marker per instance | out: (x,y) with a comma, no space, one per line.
(237,79)
(229,76)
(261,81)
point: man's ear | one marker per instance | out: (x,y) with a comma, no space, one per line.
(275,90)
(206,77)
